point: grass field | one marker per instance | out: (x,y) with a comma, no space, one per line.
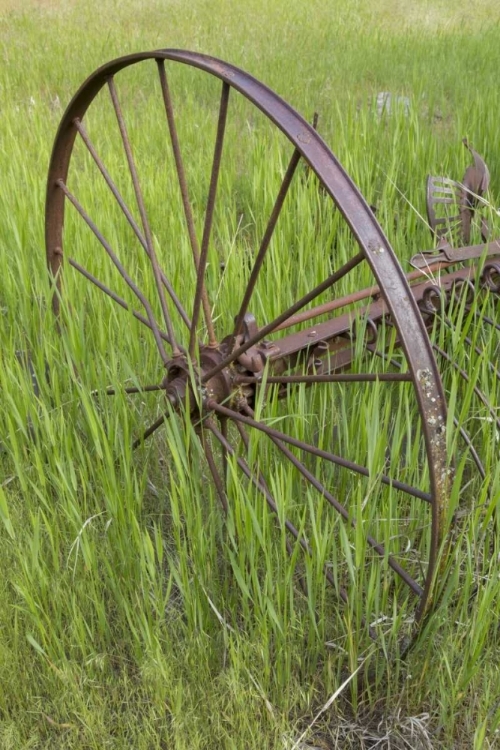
(131,613)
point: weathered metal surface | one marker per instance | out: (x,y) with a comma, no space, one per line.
(219,378)
(448,255)
(458,201)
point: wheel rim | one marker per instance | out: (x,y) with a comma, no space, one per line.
(221,375)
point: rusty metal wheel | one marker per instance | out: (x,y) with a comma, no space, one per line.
(274,307)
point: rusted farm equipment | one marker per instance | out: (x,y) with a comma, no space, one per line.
(368,327)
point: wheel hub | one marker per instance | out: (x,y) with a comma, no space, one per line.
(186,385)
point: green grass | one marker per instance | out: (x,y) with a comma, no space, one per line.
(131,613)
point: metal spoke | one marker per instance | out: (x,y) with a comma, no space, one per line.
(412,584)
(485,319)
(246,442)
(330,457)
(259,260)
(489,321)
(337,304)
(389,360)
(461,430)
(131,390)
(481,396)
(224,430)
(133,286)
(128,215)
(262,487)
(362,377)
(207,228)
(480,352)
(150,430)
(116,298)
(468,442)
(265,330)
(219,484)
(186,203)
(143,214)
(257,482)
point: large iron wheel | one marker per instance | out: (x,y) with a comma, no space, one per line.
(293,368)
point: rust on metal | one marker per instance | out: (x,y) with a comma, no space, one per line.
(458,201)
(218,377)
